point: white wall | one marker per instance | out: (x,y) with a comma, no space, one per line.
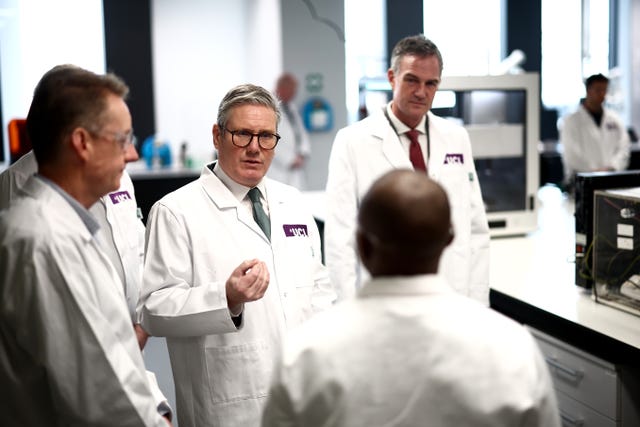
(202,48)
(310,46)
(36,35)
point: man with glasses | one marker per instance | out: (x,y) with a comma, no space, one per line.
(69,354)
(232,262)
(121,230)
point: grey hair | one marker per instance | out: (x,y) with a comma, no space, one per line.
(246,94)
(417,45)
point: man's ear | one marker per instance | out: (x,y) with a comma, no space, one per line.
(452,234)
(217,134)
(80,141)
(364,248)
(391,77)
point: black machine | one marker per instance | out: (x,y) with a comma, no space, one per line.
(585,185)
(616,248)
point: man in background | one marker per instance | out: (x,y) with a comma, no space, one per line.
(593,137)
(408,350)
(289,162)
(406,134)
(69,354)
(232,262)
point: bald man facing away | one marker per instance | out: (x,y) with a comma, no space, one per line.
(409,350)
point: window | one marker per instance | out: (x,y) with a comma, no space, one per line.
(470,42)
(575,45)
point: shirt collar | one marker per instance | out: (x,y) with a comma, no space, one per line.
(405,285)
(401,127)
(89,220)
(239,191)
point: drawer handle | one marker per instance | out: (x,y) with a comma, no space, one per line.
(569,421)
(574,374)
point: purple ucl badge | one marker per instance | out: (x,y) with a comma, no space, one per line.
(119,196)
(452,158)
(295,230)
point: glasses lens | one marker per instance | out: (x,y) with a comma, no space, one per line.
(268,140)
(125,139)
(242,138)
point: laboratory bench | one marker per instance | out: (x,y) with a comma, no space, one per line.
(592,350)
(533,281)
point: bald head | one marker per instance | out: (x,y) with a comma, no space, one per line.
(403,225)
(286,87)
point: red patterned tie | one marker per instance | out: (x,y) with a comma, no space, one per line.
(415,152)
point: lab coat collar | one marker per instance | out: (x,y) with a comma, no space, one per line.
(219,194)
(36,188)
(399,125)
(87,218)
(405,285)
(239,191)
(226,198)
(391,146)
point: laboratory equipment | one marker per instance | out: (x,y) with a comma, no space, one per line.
(616,248)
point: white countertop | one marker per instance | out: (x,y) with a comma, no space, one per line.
(539,269)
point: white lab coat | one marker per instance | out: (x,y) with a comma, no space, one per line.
(587,147)
(196,236)
(126,230)
(410,352)
(287,150)
(363,152)
(125,233)
(69,355)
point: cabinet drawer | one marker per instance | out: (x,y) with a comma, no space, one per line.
(576,414)
(583,377)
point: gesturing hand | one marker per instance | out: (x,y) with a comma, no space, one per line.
(248,282)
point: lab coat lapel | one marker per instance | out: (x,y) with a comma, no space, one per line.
(275,199)
(220,195)
(39,190)
(391,146)
(67,219)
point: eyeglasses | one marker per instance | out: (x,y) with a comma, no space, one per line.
(124,139)
(242,138)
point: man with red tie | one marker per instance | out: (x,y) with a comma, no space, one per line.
(405,134)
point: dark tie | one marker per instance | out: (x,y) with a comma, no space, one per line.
(258,212)
(415,152)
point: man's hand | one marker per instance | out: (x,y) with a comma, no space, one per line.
(141,335)
(248,282)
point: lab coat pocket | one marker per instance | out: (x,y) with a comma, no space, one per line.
(300,264)
(299,257)
(238,372)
